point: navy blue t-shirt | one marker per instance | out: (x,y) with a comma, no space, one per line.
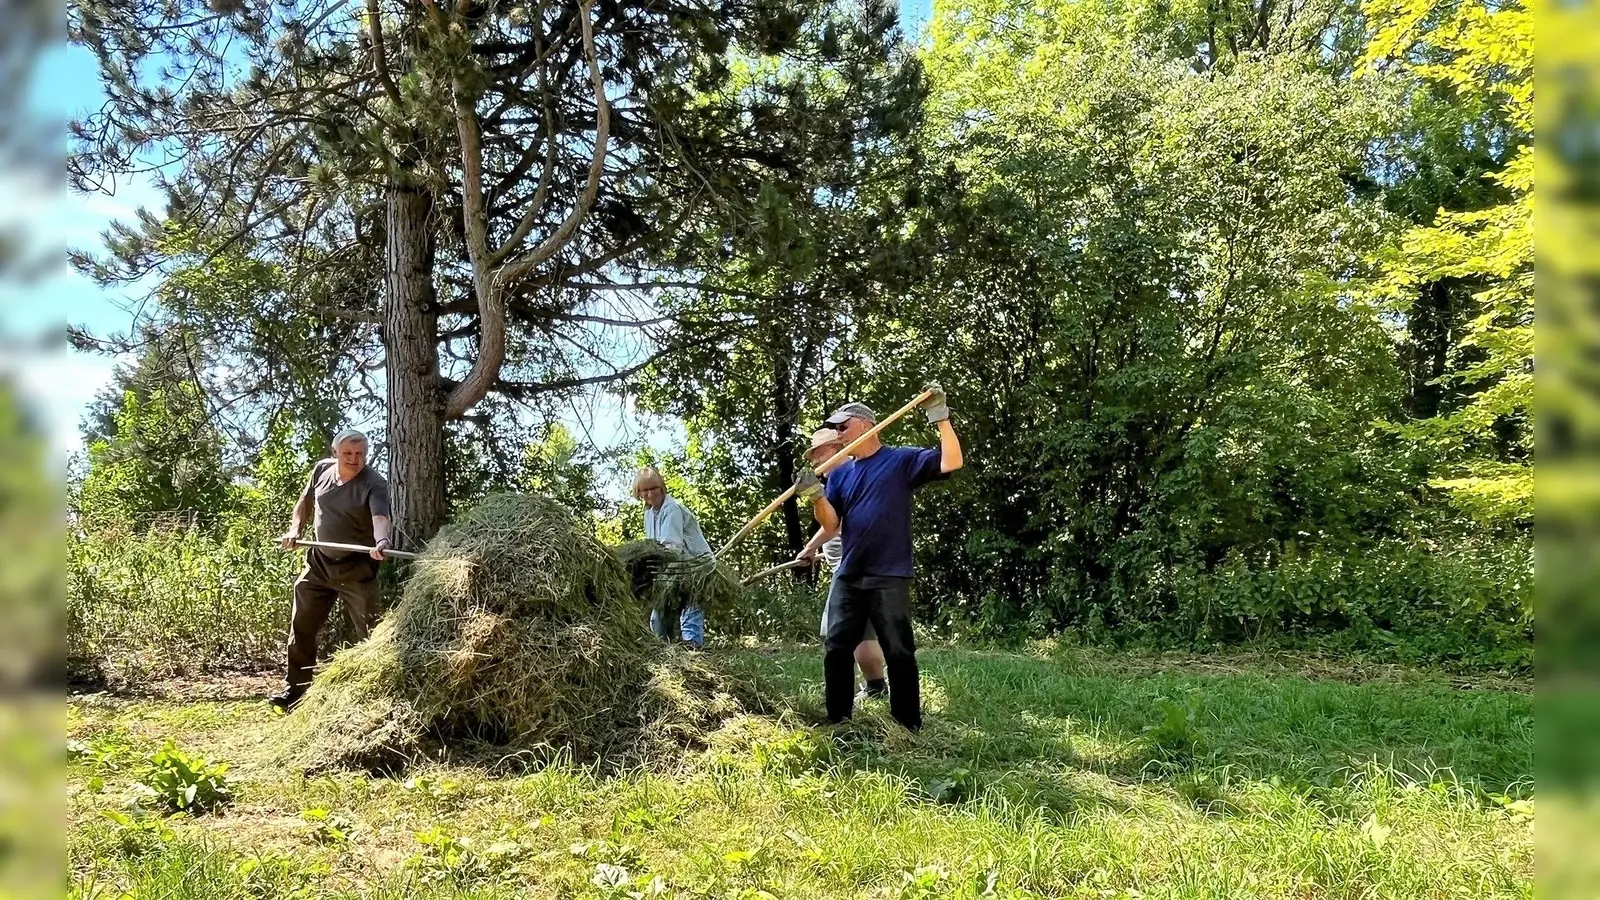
(873,499)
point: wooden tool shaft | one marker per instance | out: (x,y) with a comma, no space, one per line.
(329,545)
(760,517)
(777,568)
(830,463)
(844,454)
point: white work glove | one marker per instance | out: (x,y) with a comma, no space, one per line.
(807,487)
(935,406)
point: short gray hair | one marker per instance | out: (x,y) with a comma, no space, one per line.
(349,434)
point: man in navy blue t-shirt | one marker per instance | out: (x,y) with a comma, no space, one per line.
(867,502)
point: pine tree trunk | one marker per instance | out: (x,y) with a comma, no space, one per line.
(784,415)
(416,401)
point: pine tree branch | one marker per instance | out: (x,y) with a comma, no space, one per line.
(536,205)
(490,283)
(380,54)
(520,267)
(523,389)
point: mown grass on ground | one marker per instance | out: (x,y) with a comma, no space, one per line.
(1072,774)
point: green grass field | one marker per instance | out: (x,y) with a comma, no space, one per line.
(1046,774)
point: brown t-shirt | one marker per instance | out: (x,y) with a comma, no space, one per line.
(344,511)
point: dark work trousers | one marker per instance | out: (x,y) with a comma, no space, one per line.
(353,579)
(885,602)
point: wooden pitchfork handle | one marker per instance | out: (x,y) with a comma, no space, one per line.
(328,545)
(831,463)
(777,568)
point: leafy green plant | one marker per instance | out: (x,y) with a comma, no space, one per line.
(440,790)
(445,857)
(791,753)
(955,786)
(137,834)
(749,860)
(183,783)
(625,855)
(273,876)
(328,827)
(1174,738)
(924,883)
(1208,790)
(461,861)
(104,754)
(613,882)
(648,818)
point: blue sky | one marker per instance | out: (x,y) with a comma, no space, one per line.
(61,383)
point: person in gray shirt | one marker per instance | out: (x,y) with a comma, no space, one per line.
(670,522)
(348,503)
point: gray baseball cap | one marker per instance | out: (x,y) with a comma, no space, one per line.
(851,411)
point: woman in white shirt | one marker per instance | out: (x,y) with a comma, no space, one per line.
(670,522)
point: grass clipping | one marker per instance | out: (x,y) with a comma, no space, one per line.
(665,578)
(515,628)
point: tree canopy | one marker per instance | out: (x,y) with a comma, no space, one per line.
(1233,300)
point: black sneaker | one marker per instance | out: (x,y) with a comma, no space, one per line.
(287,699)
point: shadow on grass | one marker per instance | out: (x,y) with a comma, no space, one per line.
(1034,728)
(1064,735)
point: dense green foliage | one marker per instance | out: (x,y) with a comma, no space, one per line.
(174,601)
(1175,315)
(1233,305)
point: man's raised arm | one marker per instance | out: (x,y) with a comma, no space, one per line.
(809,489)
(938,411)
(950,457)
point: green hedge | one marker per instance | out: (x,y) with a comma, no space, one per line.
(175,601)
(182,601)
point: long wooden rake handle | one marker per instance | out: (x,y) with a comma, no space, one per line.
(777,568)
(328,545)
(831,462)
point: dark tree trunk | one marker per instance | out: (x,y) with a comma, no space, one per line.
(416,399)
(1432,324)
(785,413)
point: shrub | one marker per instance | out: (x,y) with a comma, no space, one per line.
(173,602)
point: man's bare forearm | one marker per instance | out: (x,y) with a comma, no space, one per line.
(297,519)
(950,456)
(822,536)
(825,515)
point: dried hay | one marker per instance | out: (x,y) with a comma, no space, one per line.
(669,579)
(516,628)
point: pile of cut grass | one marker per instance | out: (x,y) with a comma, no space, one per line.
(666,579)
(516,629)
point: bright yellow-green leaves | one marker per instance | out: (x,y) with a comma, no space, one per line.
(1485,54)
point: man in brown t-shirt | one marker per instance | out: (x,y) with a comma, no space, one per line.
(351,506)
